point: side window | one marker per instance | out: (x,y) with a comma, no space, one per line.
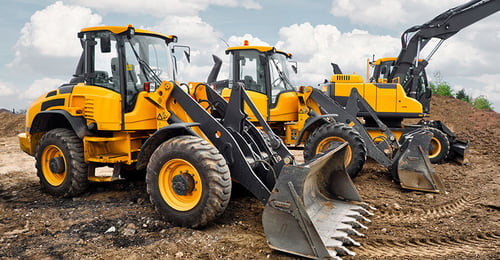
(385,70)
(422,85)
(252,73)
(106,66)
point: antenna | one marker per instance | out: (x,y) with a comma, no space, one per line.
(224,41)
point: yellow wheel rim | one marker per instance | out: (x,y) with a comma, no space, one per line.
(326,144)
(168,184)
(436,147)
(50,152)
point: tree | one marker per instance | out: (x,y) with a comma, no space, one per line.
(462,95)
(482,103)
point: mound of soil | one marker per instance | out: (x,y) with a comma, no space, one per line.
(116,220)
(11,124)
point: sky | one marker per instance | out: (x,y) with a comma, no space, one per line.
(39,48)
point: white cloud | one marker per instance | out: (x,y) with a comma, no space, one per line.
(6,89)
(252,40)
(52,31)
(315,47)
(48,42)
(390,13)
(160,8)
(41,86)
(202,39)
(487,85)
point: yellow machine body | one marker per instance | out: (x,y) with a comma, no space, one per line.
(387,99)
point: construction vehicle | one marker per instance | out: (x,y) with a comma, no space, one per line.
(309,117)
(123,109)
(398,87)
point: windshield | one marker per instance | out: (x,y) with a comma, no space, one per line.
(251,69)
(155,52)
(280,73)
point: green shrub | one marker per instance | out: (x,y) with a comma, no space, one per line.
(441,87)
(444,89)
(482,103)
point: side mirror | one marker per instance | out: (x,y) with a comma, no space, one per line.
(187,54)
(294,66)
(130,32)
(187,51)
(105,44)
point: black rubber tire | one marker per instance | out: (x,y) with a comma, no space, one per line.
(75,181)
(344,132)
(211,168)
(439,146)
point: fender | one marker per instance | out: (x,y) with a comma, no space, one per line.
(48,120)
(313,120)
(160,136)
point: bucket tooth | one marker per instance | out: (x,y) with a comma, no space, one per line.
(347,241)
(313,208)
(363,212)
(342,251)
(367,206)
(355,224)
(352,232)
(359,217)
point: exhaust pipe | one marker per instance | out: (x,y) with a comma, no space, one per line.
(314,208)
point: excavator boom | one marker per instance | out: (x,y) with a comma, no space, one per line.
(443,26)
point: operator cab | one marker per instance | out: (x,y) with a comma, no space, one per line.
(261,69)
(381,70)
(124,60)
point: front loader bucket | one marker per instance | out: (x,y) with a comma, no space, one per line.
(412,166)
(313,209)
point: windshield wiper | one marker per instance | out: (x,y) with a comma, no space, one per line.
(146,69)
(281,74)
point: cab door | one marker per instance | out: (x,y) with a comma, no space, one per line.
(97,89)
(250,69)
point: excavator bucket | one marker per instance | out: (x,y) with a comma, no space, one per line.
(314,208)
(412,166)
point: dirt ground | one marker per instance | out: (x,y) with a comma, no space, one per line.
(116,220)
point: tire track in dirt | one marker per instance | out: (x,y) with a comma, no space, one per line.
(479,243)
(417,215)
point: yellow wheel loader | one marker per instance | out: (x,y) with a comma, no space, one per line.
(124,109)
(308,117)
(398,87)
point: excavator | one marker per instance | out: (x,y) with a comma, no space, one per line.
(306,116)
(124,109)
(393,79)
